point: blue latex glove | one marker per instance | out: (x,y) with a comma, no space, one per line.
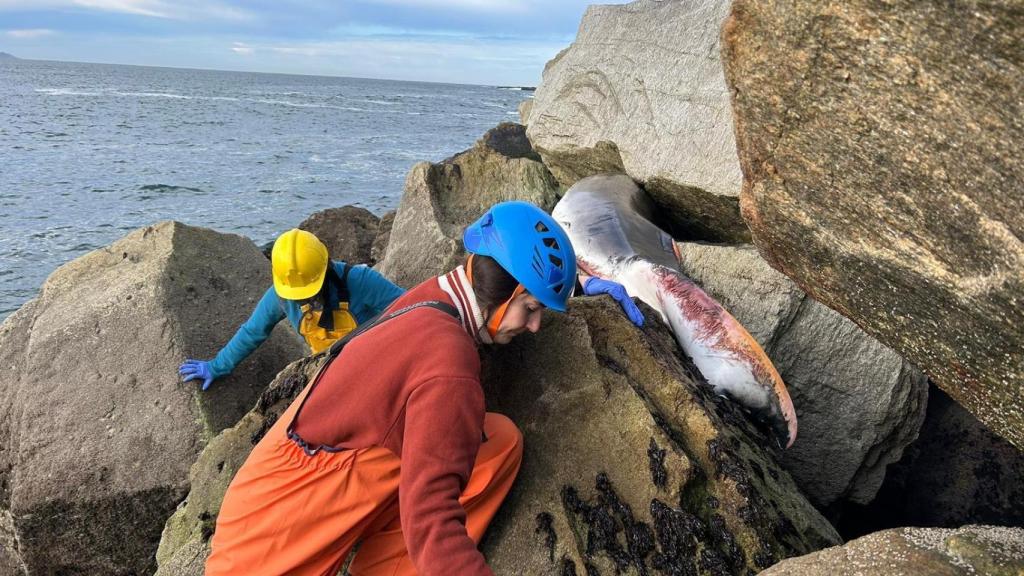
(594,286)
(197,370)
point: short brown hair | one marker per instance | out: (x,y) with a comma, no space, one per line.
(492,284)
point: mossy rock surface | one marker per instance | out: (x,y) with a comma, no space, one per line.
(631,464)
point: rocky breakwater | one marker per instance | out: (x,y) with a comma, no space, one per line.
(859,403)
(631,464)
(641,91)
(882,173)
(440,200)
(97,431)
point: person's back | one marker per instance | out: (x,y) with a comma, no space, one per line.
(360,399)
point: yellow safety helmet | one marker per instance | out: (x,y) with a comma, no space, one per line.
(299,261)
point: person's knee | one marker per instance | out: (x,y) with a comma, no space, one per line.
(499,428)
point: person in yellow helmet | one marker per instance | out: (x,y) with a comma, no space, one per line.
(323,299)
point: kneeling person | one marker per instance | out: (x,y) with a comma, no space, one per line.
(323,299)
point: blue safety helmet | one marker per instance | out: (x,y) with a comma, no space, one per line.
(529,245)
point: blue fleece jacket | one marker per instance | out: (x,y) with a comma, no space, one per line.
(369,294)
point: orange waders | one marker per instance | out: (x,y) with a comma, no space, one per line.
(288,512)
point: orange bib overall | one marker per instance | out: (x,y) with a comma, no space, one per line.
(291,512)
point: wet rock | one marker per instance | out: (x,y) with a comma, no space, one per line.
(96,429)
(380,241)
(440,200)
(956,472)
(185,542)
(631,460)
(874,140)
(348,232)
(858,403)
(642,91)
(990,550)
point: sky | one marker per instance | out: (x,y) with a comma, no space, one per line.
(494,42)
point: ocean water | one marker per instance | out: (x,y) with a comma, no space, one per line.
(89,152)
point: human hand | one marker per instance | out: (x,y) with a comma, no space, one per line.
(197,370)
(593,286)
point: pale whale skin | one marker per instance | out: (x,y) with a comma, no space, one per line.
(608,219)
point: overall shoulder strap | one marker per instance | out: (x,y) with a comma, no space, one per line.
(342,286)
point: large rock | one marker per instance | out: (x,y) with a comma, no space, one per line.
(440,200)
(628,462)
(880,151)
(989,550)
(956,472)
(380,241)
(859,404)
(348,232)
(642,91)
(96,429)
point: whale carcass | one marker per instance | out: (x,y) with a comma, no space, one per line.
(608,219)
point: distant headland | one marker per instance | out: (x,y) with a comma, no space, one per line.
(6,56)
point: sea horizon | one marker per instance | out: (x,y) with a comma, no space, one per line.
(524,88)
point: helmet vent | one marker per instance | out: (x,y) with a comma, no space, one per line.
(538,263)
(555,260)
(551,243)
(540,227)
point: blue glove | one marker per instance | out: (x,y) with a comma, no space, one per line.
(197,370)
(594,286)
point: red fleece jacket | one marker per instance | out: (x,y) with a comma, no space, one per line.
(412,385)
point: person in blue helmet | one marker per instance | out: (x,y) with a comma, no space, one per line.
(323,299)
(390,445)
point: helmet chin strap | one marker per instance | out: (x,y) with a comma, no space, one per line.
(499,313)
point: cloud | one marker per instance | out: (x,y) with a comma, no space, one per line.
(502,6)
(31,33)
(241,48)
(465,60)
(165,9)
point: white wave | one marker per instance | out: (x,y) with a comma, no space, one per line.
(64,92)
(306,105)
(155,95)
